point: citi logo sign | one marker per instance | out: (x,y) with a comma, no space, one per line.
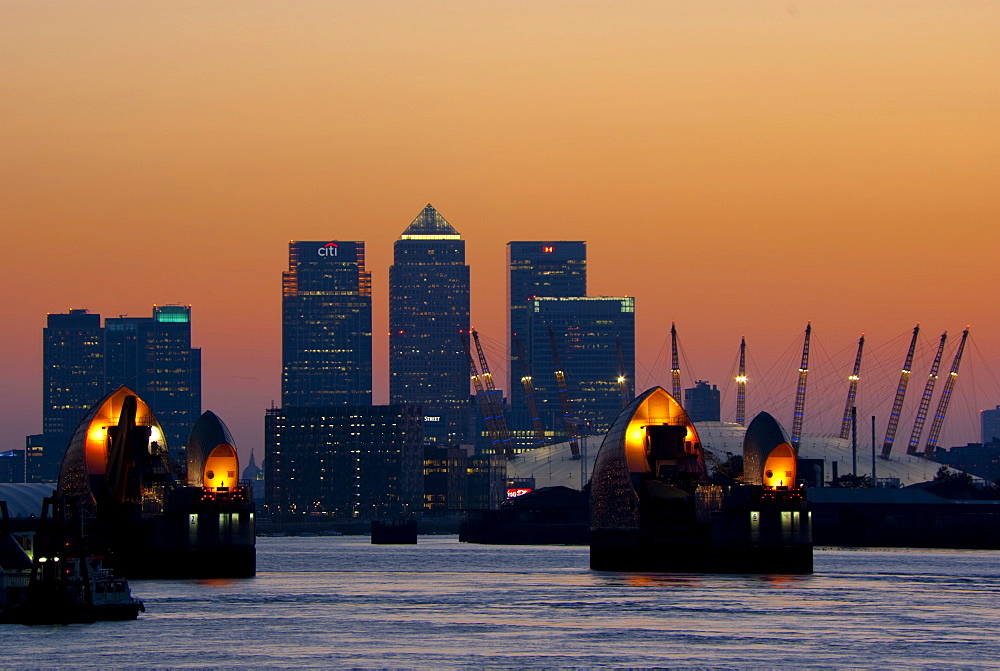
(329,249)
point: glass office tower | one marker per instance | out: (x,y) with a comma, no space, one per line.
(153,357)
(73,370)
(586,332)
(538,269)
(428,318)
(326,335)
(534,269)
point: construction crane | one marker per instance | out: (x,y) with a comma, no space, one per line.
(537,427)
(925,400)
(623,391)
(568,422)
(852,391)
(942,409)
(741,385)
(897,405)
(484,408)
(675,365)
(800,393)
(493,396)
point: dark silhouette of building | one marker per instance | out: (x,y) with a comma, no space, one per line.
(982,460)
(990,420)
(83,361)
(428,318)
(702,402)
(253,476)
(326,333)
(586,332)
(12,466)
(343,462)
(446,480)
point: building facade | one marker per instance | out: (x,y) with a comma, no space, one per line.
(73,376)
(702,402)
(586,333)
(428,320)
(153,356)
(82,360)
(555,269)
(326,334)
(990,420)
(343,462)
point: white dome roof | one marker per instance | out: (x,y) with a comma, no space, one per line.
(553,464)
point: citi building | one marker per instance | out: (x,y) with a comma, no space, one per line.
(326,334)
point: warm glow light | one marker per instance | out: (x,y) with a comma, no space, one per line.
(741,378)
(97,433)
(780,467)
(221,468)
(105,417)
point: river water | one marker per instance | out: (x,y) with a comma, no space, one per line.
(341,602)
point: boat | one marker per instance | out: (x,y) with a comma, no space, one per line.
(49,577)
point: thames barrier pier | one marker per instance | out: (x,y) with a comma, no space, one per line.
(148,520)
(652,508)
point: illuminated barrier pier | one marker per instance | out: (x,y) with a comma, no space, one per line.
(652,508)
(147,519)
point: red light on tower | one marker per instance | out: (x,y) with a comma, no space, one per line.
(548,250)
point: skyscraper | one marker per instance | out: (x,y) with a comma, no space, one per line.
(82,361)
(555,269)
(153,357)
(72,381)
(326,333)
(586,332)
(73,370)
(428,318)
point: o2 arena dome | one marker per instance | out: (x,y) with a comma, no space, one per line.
(553,465)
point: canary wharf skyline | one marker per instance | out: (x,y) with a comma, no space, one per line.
(738,169)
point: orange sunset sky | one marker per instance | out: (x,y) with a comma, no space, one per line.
(739,167)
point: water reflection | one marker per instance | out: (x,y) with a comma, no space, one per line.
(782,580)
(649,579)
(341,602)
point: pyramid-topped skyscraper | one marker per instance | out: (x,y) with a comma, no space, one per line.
(430,225)
(428,318)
